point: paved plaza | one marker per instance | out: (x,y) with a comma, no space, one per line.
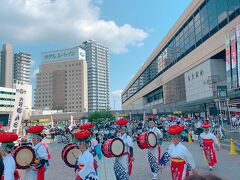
(227,168)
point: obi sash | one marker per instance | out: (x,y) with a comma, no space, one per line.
(177,168)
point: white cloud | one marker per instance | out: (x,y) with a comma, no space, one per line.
(66,22)
(117,92)
(34,73)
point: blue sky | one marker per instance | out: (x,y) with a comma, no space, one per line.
(132,29)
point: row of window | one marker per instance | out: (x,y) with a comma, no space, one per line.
(7,99)
(5,105)
(209,18)
(155,95)
(7,93)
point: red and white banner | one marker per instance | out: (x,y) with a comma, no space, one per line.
(238,51)
(234,58)
(228,61)
(18,108)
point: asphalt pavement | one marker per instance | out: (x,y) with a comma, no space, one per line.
(228,167)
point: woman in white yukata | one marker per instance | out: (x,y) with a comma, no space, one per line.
(181,159)
(123,164)
(85,161)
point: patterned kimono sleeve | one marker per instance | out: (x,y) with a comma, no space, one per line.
(165,158)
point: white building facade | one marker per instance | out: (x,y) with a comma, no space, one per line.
(98,75)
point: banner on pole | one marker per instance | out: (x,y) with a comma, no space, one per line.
(228,61)
(234,59)
(238,51)
(18,108)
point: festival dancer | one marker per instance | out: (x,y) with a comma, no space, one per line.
(7,139)
(154,154)
(94,147)
(41,163)
(85,161)
(123,164)
(208,142)
(181,159)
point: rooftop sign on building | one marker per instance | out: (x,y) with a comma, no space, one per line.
(75,53)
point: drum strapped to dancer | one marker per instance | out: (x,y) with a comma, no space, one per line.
(37,169)
(24,156)
(147,140)
(123,163)
(69,155)
(113,147)
(6,148)
(208,142)
(85,162)
(181,159)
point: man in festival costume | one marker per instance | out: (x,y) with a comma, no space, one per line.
(208,142)
(85,161)
(181,159)
(7,139)
(123,164)
(154,154)
(38,169)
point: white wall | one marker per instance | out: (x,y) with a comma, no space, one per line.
(203,86)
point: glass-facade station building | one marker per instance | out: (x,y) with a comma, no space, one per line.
(184,72)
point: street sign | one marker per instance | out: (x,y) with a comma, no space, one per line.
(222,92)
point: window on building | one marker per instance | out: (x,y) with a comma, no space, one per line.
(197,74)
(222,12)
(197,25)
(204,21)
(233,8)
(212,14)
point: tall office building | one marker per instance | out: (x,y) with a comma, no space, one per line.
(62,81)
(98,75)
(6,71)
(22,67)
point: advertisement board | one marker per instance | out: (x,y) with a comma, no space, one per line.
(75,53)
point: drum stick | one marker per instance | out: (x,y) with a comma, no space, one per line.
(74,155)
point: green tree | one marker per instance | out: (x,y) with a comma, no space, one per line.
(94,117)
(101,116)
